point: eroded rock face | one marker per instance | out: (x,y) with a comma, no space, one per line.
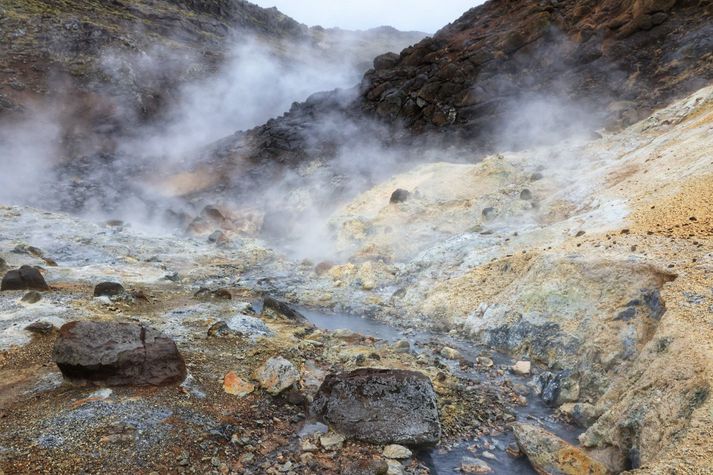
(551,455)
(24,278)
(117,354)
(381,406)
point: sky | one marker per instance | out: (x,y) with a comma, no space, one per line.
(408,15)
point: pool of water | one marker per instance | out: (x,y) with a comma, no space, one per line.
(447,460)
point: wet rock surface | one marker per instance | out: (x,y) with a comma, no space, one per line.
(117,354)
(381,406)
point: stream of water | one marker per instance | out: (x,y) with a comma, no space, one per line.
(447,460)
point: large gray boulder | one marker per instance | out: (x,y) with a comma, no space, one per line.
(117,354)
(380,406)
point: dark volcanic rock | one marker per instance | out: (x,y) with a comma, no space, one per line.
(108,289)
(117,354)
(24,278)
(513,71)
(399,196)
(380,406)
(283,310)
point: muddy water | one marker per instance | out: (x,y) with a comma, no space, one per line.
(447,460)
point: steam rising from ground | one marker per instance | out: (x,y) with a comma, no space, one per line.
(255,85)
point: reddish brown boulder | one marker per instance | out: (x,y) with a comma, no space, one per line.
(117,354)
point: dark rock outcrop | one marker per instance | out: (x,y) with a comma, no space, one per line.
(514,71)
(24,278)
(380,406)
(117,354)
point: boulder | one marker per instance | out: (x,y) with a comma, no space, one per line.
(24,278)
(276,375)
(108,289)
(549,454)
(117,354)
(380,406)
(399,196)
(386,61)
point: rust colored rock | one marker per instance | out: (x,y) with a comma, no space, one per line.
(24,278)
(117,354)
(550,455)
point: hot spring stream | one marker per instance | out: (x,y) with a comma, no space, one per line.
(447,460)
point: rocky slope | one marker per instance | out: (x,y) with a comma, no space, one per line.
(101,69)
(507,73)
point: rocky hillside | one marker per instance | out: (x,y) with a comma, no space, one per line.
(610,62)
(101,68)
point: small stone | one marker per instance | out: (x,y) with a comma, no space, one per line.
(395,468)
(399,196)
(484,361)
(473,465)
(217,237)
(513,450)
(222,294)
(402,346)
(450,353)
(276,375)
(24,278)
(108,289)
(397,452)
(233,384)
(31,297)
(522,368)
(219,329)
(332,440)
(526,195)
(40,328)
(489,455)
(308,446)
(489,213)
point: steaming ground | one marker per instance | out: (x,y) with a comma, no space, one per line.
(594,259)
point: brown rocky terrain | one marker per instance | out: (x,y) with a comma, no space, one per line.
(104,69)
(494,255)
(611,63)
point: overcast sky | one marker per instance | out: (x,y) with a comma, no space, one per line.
(421,15)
